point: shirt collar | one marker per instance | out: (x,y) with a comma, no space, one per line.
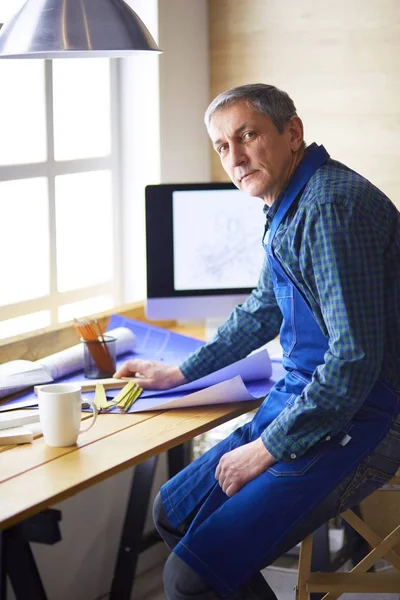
(270,211)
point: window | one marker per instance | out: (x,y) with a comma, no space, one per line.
(59,189)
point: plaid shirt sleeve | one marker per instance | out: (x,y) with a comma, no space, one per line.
(249,326)
(341,258)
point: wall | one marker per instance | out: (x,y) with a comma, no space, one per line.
(140,152)
(340,62)
(164,139)
(184,91)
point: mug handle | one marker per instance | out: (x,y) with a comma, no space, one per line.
(94,415)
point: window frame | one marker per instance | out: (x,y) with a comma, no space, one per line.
(50,169)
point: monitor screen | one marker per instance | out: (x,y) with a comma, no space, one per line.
(204,250)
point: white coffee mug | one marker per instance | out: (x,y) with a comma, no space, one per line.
(60,406)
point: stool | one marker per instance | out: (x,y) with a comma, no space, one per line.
(357,580)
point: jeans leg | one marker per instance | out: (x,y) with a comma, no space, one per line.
(377,468)
(181,582)
(169,534)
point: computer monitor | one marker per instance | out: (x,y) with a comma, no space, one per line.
(204,249)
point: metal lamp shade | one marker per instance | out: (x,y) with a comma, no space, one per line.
(74,29)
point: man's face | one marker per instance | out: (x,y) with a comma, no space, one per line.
(258,159)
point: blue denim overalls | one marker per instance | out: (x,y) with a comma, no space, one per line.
(231,538)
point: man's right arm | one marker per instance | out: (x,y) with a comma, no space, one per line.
(249,326)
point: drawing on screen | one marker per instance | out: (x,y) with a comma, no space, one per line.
(227,257)
(217,241)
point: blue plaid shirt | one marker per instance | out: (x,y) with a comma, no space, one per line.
(341,244)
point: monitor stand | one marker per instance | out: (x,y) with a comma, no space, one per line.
(273,347)
(211,326)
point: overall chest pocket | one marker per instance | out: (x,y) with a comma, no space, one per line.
(284,294)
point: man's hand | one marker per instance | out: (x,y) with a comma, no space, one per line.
(151,374)
(241,465)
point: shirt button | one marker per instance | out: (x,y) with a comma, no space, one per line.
(293,456)
(328,437)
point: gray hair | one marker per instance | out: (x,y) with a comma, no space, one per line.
(265,99)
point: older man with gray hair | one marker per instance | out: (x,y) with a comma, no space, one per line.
(327,434)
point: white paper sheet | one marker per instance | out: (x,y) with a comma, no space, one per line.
(232,390)
(255,366)
(17,373)
(250,368)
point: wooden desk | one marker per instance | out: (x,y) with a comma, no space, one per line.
(34,476)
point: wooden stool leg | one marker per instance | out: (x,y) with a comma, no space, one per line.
(381,550)
(304,568)
(372,538)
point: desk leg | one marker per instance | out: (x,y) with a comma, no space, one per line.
(178,458)
(135,517)
(22,570)
(3,573)
(132,540)
(16,557)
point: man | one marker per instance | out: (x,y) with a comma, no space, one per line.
(327,434)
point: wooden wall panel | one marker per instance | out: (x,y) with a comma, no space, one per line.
(340,62)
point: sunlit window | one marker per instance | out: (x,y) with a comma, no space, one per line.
(81,92)
(84,237)
(24,240)
(23,115)
(57,189)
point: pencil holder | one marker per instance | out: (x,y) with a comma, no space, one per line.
(99,357)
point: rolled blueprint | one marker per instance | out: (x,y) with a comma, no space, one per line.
(23,374)
(70,360)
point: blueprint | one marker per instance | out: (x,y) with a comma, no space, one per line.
(246,379)
(231,390)
(150,342)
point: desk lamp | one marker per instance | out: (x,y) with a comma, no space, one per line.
(74,29)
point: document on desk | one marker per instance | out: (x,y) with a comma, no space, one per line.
(150,342)
(224,392)
(254,367)
(156,343)
(20,374)
(249,378)
(246,379)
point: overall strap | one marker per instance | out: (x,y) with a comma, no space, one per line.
(314,158)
